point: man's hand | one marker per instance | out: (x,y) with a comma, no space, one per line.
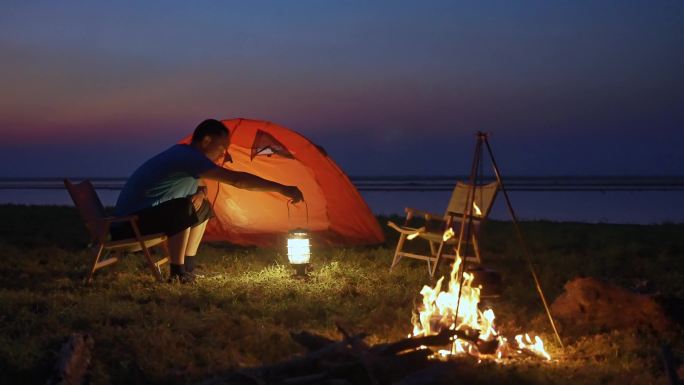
(198,198)
(293,193)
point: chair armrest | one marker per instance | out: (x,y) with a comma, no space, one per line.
(411,211)
(405,230)
(460,215)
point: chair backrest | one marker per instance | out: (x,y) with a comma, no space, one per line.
(89,207)
(483,200)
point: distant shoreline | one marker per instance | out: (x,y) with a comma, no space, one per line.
(420,183)
(592,199)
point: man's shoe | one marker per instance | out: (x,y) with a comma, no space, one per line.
(182,278)
(195,274)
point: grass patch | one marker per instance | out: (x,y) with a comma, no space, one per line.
(241,313)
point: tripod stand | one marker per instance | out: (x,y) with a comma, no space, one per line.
(467,224)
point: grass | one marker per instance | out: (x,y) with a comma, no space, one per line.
(241,314)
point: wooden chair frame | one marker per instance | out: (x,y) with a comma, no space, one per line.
(92,213)
(435,239)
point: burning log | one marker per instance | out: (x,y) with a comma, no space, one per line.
(487,347)
(445,337)
(352,361)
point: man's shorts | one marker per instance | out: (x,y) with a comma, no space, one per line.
(170,218)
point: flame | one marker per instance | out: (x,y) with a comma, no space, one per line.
(477,209)
(536,347)
(442,309)
(448,234)
(416,233)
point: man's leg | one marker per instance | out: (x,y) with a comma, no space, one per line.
(177,245)
(194,239)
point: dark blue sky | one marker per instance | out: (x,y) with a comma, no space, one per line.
(394,87)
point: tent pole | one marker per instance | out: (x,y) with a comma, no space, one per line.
(523,244)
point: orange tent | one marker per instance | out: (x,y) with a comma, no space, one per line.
(334,212)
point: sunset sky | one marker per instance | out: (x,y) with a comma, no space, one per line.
(394,87)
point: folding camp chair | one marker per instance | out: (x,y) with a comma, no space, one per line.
(435,227)
(92,212)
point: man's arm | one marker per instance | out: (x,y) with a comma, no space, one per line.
(251,182)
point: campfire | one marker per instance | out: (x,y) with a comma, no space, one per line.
(449,334)
(457,308)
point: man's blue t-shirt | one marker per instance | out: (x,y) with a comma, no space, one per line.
(172,174)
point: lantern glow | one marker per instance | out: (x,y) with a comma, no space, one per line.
(299,250)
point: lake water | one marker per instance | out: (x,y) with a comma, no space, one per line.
(607,199)
(643,207)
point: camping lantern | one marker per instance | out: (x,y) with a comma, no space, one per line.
(299,251)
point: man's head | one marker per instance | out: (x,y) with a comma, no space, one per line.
(211,137)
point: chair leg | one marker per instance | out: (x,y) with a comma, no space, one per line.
(438,257)
(155,270)
(146,251)
(476,248)
(433,254)
(167,256)
(433,251)
(89,279)
(397,257)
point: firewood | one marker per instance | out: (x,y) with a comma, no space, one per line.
(394,368)
(305,364)
(360,351)
(487,347)
(315,378)
(384,369)
(311,341)
(442,338)
(351,361)
(358,341)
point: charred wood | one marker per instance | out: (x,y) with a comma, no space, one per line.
(442,338)
(311,341)
(351,360)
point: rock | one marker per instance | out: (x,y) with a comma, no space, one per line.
(591,305)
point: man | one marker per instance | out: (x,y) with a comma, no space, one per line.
(166,195)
